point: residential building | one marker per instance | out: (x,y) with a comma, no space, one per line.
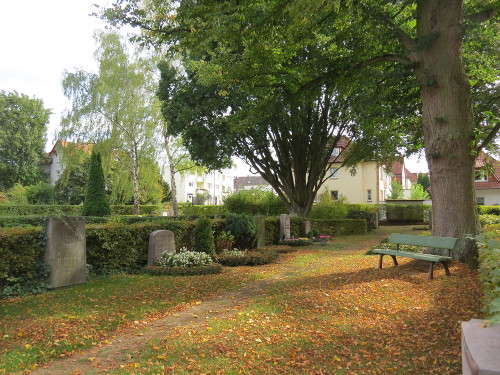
(250,182)
(208,188)
(406,178)
(54,166)
(487,182)
(368,183)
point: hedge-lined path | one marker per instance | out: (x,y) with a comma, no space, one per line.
(317,297)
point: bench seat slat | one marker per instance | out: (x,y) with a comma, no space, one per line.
(406,254)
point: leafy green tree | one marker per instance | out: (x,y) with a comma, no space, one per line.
(396,190)
(41,193)
(117,107)
(418,192)
(23,127)
(17,194)
(289,139)
(71,186)
(259,44)
(424,180)
(96,200)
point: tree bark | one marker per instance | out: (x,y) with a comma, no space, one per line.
(448,122)
(135,180)
(173,185)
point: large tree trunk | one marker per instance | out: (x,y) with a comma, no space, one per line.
(448,122)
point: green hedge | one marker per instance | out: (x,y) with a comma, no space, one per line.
(41,209)
(489,274)
(404,212)
(184,271)
(71,210)
(489,210)
(38,220)
(204,210)
(22,269)
(323,226)
(117,247)
(251,258)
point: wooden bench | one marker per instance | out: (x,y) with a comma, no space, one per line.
(447,243)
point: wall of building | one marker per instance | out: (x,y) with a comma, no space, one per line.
(491,197)
(355,186)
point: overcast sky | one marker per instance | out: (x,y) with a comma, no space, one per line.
(40,39)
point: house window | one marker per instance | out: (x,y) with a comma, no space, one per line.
(480,201)
(481,176)
(209,185)
(369,195)
(216,187)
(334,173)
(190,183)
(334,194)
(336,151)
(190,197)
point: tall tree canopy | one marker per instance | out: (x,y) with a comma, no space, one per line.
(381,46)
(117,108)
(23,127)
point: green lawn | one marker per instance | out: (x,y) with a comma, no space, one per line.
(329,311)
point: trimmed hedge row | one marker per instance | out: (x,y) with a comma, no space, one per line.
(489,210)
(328,227)
(404,212)
(184,271)
(71,210)
(39,220)
(21,268)
(251,258)
(489,271)
(206,210)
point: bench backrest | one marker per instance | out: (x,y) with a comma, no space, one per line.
(427,241)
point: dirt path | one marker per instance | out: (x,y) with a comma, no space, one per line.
(126,346)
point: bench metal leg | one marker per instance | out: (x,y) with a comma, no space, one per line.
(382,256)
(431,270)
(446,269)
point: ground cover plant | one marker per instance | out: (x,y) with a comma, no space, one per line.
(322,310)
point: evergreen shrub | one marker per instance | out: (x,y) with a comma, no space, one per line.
(243,228)
(204,236)
(96,200)
(489,210)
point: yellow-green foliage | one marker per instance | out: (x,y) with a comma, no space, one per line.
(489,272)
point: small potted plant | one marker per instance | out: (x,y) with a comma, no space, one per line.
(323,240)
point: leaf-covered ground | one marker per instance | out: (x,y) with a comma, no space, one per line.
(319,311)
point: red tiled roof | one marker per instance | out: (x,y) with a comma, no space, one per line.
(240,182)
(64,144)
(494,175)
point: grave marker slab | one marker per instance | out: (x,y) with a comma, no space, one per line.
(65,252)
(284,227)
(160,241)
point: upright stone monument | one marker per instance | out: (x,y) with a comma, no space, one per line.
(284,227)
(160,241)
(65,254)
(261,230)
(305,227)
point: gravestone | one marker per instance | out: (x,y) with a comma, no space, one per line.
(160,241)
(480,348)
(284,227)
(65,252)
(305,228)
(261,230)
